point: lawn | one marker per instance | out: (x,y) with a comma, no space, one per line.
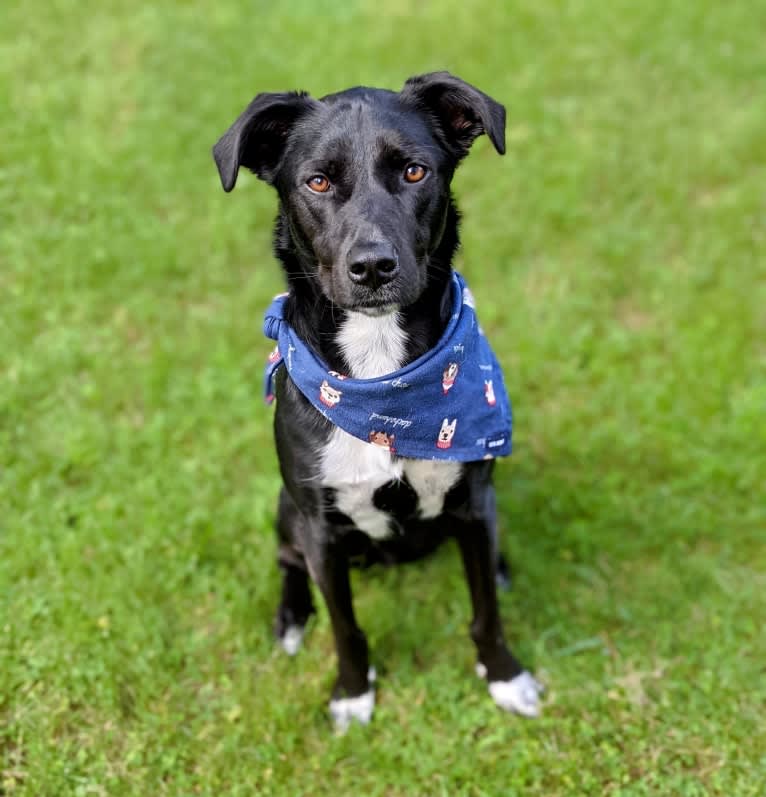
(617,256)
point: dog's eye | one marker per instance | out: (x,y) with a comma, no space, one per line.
(414,173)
(319,184)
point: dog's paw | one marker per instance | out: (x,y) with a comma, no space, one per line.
(346,710)
(521,694)
(291,639)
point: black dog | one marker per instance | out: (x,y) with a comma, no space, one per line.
(366,233)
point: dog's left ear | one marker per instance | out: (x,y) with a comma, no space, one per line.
(463,112)
(257,139)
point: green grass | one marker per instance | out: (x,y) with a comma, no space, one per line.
(617,254)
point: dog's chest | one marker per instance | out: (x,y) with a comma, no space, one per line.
(373,488)
(371,485)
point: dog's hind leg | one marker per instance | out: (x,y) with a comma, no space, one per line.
(295,605)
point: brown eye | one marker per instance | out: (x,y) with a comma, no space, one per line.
(319,184)
(414,173)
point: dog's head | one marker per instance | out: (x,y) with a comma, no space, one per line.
(363,178)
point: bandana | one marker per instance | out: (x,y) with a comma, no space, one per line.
(449,404)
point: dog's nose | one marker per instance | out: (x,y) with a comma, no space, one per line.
(372,264)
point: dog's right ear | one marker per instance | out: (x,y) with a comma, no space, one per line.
(258,137)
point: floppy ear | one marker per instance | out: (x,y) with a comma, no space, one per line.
(257,139)
(462,111)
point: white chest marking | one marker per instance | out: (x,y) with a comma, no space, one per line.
(375,346)
(431,480)
(356,469)
(372,345)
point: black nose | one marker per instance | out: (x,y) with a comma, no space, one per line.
(372,264)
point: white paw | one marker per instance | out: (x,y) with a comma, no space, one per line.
(520,695)
(291,639)
(359,708)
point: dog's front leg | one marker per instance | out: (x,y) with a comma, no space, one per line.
(511,687)
(353,696)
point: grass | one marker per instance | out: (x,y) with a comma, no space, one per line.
(617,257)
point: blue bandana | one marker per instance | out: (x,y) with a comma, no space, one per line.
(448,404)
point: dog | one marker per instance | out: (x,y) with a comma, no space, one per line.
(366,233)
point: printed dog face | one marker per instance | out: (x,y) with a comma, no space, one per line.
(328,395)
(446,433)
(448,377)
(363,176)
(489,392)
(383,440)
